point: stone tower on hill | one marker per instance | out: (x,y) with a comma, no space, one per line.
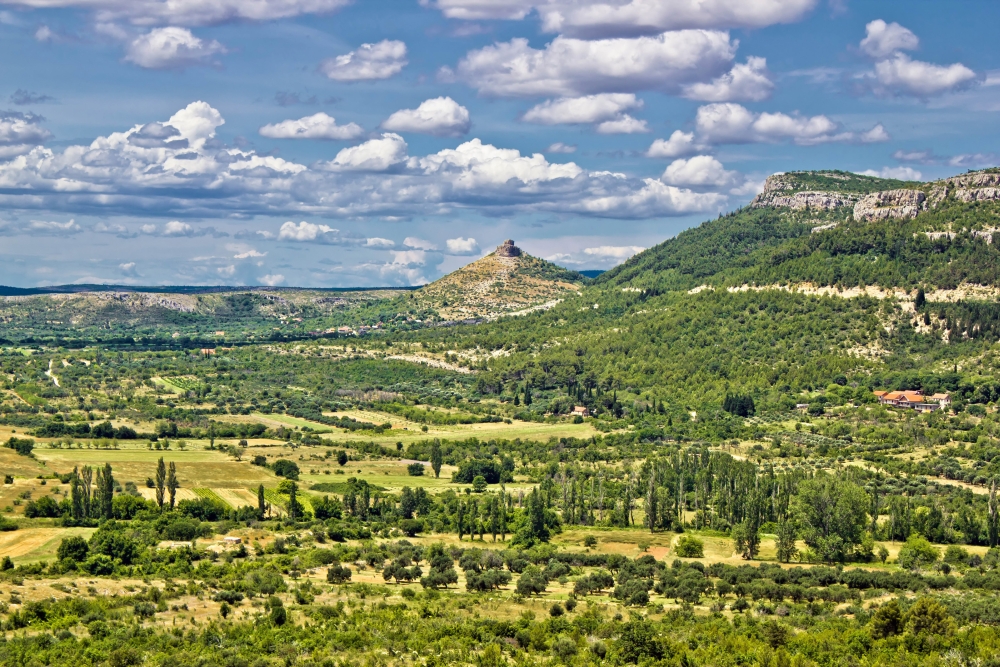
(508,249)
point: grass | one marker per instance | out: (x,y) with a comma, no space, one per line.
(28,545)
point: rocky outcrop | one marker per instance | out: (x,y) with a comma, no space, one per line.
(890,204)
(978,186)
(508,249)
(777,194)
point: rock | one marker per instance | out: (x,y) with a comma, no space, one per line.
(508,249)
(978,186)
(776,195)
(896,204)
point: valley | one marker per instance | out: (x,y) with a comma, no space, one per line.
(682,461)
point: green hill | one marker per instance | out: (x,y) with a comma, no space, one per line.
(777,302)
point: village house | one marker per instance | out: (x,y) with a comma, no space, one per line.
(915,400)
(580,411)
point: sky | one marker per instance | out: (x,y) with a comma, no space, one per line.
(340,143)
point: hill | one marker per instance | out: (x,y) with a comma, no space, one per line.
(504,282)
(826,278)
(833,229)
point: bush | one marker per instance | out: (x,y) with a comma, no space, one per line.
(338,574)
(75,548)
(690,547)
(45,507)
(285,468)
(917,552)
(415,470)
(22,446)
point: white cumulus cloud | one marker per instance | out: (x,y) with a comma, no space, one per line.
(679,144)
(440,117)
(462,246)
(369,62)
(903,75)
(573,67)
(614,251)
(317,126)
(901,173)
(600,18)
(375,155)
(746,82)
(272,279)
(171,48)
(732,123)
(882,39)
(624,125)
(875,135)
(698,171)
(418,243)
(582,110)
(179,168)
(560,147)
(190,13)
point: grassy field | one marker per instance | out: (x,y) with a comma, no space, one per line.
(36,543)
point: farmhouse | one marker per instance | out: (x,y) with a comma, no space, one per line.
(913,399)
(580,411)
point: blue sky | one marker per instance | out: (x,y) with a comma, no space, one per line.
(330,143)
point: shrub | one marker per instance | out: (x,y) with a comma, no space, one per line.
(22,446)
(75,548)
(690,547)
(44,507)
(338,574)
(415,470)
(917,552)
(285,468)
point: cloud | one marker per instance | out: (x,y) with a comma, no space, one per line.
(272,279)
(731,123)
(679,144)
(317,126)
(418,243)
(374,155)
(179,170)
(201,13)
(901,173)
(965,160)
(903,76)
(896,73)
(624,125)
(592,18)
(698,171)
(288,99)
(582,110)
(377,242)
(171,48)
(129,270)
(178,229)
(44,34)
(20,133)
(249,254)
(307,232)
(440,117)
(22,97)
(883,39)
(744,83)
(52,228)
(368,63)
(462,246)
(875,135)
(573,67)
(619,252)
(560,147)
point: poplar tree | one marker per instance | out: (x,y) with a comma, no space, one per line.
(172,483)
(161,481)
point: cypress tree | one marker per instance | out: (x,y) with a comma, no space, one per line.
(260,503)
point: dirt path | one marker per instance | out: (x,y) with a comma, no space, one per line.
(51,375)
